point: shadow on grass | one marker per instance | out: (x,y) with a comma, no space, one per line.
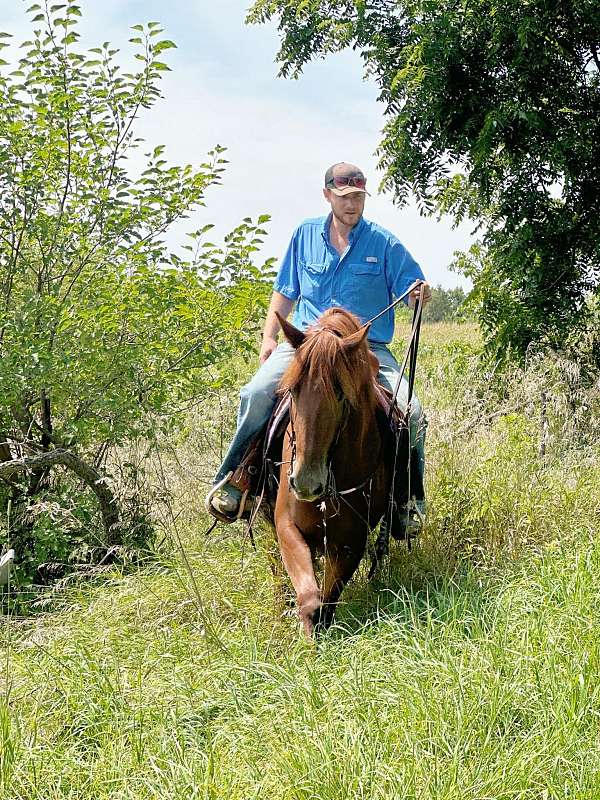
(417,590)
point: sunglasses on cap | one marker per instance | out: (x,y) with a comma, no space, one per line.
(358,181)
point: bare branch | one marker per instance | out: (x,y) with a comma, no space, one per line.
(90,476)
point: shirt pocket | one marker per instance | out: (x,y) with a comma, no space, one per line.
(365,268)
(366,290)
(312,281)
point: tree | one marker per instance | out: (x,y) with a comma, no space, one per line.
(445,305)
(104,333)
(493,113)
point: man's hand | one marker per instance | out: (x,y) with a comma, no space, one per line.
(283,306)
(266,348)
(422,292)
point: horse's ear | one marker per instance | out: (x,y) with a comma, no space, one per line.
(373,363)
(351,342)
(294,336)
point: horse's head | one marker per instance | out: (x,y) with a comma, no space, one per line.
(330,378)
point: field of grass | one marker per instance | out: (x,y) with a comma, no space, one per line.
(469,669)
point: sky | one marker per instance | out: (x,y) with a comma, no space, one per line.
(280,134)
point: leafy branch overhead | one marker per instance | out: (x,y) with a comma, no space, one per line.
(104,331)
(492,113)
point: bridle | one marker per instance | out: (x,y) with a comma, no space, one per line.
(330,489)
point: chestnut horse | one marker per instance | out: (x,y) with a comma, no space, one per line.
(339,465)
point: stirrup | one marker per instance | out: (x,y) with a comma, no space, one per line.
(412,506)
(410,514)
(218,514)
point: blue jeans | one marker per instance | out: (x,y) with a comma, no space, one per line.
(257,400)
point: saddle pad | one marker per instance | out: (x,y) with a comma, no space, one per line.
(277,420)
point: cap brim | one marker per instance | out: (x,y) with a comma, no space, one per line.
(346,190)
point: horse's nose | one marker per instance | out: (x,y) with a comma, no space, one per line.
(305,492)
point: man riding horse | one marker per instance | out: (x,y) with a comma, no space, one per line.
(340,260)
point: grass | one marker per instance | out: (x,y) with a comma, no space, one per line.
(469,669)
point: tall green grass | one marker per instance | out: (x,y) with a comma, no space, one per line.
(469,668)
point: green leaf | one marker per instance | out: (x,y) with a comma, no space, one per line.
(165,44)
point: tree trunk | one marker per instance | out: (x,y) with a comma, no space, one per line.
(90,476)
(38,476)
(5,454)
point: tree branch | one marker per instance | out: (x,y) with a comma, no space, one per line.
(90,476)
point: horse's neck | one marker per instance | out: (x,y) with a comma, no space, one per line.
(356,456)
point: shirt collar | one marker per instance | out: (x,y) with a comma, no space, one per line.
(354,233)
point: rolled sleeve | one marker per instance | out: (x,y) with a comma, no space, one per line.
(401,268)
(286,282)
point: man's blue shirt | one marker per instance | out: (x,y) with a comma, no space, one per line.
(374,270)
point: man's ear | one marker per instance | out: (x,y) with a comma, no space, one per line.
(294,336)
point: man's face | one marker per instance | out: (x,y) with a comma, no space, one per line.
(348,208)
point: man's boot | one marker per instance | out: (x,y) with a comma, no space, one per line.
(228,500)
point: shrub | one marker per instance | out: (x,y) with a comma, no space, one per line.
(105,334)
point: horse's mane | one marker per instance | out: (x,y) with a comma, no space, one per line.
(330,368)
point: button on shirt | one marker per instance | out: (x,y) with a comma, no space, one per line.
(374,269)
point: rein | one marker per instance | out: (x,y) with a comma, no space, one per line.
(410,355)
(403,296)
(413,342)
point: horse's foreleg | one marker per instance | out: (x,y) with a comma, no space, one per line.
(297,560)
(340,566)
